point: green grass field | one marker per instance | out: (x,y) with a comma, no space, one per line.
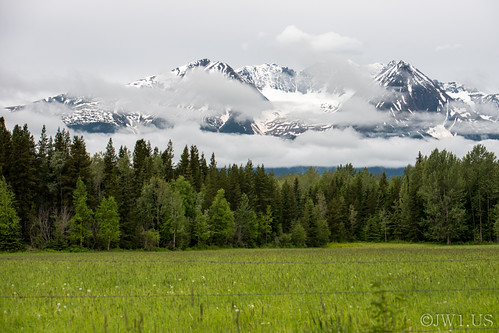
(356,287)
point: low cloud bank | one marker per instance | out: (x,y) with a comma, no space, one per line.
(329,148)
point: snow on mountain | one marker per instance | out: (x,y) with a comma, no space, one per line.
(210,67)
(294,102)
(270,76)
(409,89)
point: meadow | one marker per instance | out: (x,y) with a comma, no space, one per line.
(342,288)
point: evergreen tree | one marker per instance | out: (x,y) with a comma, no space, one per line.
(288,206)
(195,169)
(183,166)
(212,183)
(5,149)
(141,154)
(233,189)
(10,223)
(110,181)
(479,167)
(22,176)
(167,157)
(411,203)
(265,225)
(77,166)
(442,191)
(44,192)
(338,214)
(108,221)
(246,222)
(62,142)
(126,201)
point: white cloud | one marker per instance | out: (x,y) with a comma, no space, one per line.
(326,42)
(329,148)
(448,47)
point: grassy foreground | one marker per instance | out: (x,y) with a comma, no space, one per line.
(360,287)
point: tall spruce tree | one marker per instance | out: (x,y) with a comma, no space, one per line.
(22,176)
(5,148)
(246,224)
(110,181)
(167,157)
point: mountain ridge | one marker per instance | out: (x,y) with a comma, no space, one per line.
(297,102)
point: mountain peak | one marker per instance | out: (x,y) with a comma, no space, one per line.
(209,66)
(414,91)
(270,76)
(182,70)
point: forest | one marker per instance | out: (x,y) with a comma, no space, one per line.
(55,195)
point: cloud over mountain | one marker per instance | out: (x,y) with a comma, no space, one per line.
(329,41)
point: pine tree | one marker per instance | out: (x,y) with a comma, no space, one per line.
(141,154)
(265,225)
(167,157)
(246,222)
(126,201)
(5,149)
(195,169)
(77,166)
(289,207)
(108,221)
(110,181)
(10,223)
(44,193)
(22,176)
(183,166)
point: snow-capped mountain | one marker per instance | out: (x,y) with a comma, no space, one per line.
(270,76)
(273,100)
(409,90)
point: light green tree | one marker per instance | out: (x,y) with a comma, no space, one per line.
(298,234)
(201,229)
(81,221)
(221,219)
(10,223)
(108,221)
(175,223)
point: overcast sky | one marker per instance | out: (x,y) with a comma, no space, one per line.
(124,40)
(47,46)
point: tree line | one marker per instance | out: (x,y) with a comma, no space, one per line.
(53,194)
